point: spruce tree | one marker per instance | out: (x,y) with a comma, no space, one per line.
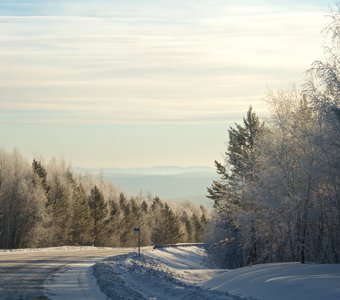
(81,228)
(99,213)
(39,170)
(189,230)
(238,172)
(168,228)
(59,207)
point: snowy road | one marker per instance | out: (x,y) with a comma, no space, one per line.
(55,274)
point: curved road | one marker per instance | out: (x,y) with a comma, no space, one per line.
(50,274)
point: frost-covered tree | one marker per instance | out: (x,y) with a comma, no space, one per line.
(294,160)
(51,205)
(323,88)
(232,194)
(292,197)
(81,230)
(39,170)
(60,207)
(188,229)
(22,203)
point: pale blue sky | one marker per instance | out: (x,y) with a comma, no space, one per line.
(145,83)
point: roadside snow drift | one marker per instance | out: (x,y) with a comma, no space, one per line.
(179,273)
(292,281)
(168,273)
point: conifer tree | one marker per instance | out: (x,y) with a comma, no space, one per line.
(60,209)
(82,226)
(126,228)
(99,213)
(113,223)
(39,170)
(168,228)
(130,221)
(188,228)
(237,173)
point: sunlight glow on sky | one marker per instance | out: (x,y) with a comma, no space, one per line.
(144,83)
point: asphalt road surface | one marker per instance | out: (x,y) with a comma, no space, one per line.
(52,274)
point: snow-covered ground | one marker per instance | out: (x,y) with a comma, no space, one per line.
(52,273)
(180,273)
(60,248)
(73,281)
(167,273)
(292,281)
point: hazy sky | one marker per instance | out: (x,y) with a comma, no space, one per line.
(143,83)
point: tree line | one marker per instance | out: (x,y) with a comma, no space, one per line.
(278,196)
(50,205)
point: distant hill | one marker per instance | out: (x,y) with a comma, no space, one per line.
(170,182)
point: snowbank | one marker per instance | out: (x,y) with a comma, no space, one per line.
(180,273)
(292,281)
(169,273)
(188,263)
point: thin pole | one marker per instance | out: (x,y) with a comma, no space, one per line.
(139,242)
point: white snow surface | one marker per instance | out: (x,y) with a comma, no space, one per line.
(281,281)
(180,273)
(167,273)
(74,281)
(59,248)
(187,263)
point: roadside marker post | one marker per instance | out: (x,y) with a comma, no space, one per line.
(137,229)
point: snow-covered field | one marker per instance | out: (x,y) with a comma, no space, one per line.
(180,273)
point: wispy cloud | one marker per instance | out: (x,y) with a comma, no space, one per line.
(140,83)
(148,61)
